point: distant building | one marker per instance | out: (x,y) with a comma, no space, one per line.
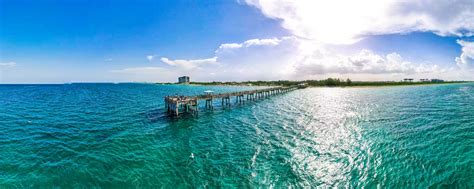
(184,79)
(437,80)
(425,80)
(408,79)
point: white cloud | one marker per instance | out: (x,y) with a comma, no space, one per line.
(290,58)
(466,59)
(257,59)
(150,57)
(7,64)
(108,59)
(251,59)
(189,64)
(294,58)
(230,46)
(262,42)
(139,70)
(344,22)
(365,62)
(250,43)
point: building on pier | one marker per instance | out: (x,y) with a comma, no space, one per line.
(302,85)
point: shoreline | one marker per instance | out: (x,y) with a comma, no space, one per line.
(352,85)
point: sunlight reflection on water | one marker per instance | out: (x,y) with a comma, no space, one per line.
(112,136)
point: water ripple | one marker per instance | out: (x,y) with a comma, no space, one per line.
(116,136)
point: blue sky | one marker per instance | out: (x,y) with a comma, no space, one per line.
(50,41)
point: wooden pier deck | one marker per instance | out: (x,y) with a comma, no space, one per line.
(176,105)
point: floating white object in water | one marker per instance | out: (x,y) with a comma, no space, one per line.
(208,92)
(192,156)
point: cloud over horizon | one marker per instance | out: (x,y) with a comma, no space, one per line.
(289,58)
(315,24)
(365,62)
(189,64)
(7,64)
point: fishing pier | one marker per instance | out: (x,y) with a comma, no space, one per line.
(176,105)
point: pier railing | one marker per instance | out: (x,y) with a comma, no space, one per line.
(176,105)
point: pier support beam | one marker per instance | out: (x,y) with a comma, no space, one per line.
(174,105)
(209,104)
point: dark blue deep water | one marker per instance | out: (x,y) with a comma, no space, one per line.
(117,136)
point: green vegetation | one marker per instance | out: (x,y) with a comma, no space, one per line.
(330,82)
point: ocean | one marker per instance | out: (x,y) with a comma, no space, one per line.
(118,136)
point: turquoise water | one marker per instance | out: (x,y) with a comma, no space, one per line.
(116,136)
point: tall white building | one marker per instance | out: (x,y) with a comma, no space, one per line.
(183,79)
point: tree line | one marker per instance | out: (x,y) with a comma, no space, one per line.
(329,82)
